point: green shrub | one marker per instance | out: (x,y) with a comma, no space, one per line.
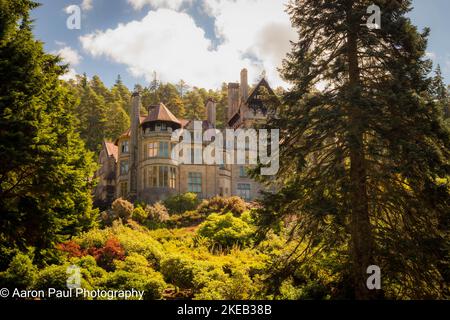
(226,230)
(135,263)
(186,219)
(94,238)
(153,285)
(90,271)
(140,242)
(237,286)
(53,277)
(21,273)
(222,205)
(288,291)
(182,203)
(139,215)
(179,271)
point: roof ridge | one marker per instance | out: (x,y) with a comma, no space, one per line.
(161,113)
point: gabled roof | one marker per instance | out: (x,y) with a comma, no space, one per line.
(112,150)
(184,122)
(262,82)
(161,113)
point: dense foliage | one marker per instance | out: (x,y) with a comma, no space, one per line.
(45,169)
(364,175)
(364,162)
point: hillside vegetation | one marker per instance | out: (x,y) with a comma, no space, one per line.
(197,254)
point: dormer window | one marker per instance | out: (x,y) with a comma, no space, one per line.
(125,147)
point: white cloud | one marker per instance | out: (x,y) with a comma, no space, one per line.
(71,74)
(430,55)
(87,5)
(169,4)
(69,55)
(254,34)
(259,28)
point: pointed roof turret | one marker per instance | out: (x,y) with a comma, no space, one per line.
(161,113)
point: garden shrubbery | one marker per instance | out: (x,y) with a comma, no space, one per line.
(21,273)
(181,203)
(222,205)
(227,230)
(195,254)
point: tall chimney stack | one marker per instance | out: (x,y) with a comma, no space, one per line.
(135,123)
(211,112)
(244,84)
(233,99)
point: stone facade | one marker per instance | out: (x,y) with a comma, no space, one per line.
(138,166)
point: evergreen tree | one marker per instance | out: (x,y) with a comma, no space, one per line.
(176,106)
(118,121)
(182,88)
(44,168)
(93,118)
(364,163)
(440,93)
(195,105)
(123,92)
(100,89)
(221,97)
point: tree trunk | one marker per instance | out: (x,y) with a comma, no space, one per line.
(361,237)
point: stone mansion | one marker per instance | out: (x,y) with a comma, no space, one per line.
(138,166)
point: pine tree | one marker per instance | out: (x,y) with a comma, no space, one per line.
(44,167)
(440,93)
(364,163)
(182,88)
(124,93)
(92,118)
(100,89)
(176,106)
(195,105)
(118,121)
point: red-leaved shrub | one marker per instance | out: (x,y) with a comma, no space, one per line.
(105,256)
(72,248)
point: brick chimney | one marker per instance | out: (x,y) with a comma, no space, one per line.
(135,123)
(211,112)
(244,85)
(233,99)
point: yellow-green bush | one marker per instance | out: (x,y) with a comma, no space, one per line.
(226,230)
(21,273)
(182,203)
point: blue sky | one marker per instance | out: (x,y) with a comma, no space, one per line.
(205,42)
